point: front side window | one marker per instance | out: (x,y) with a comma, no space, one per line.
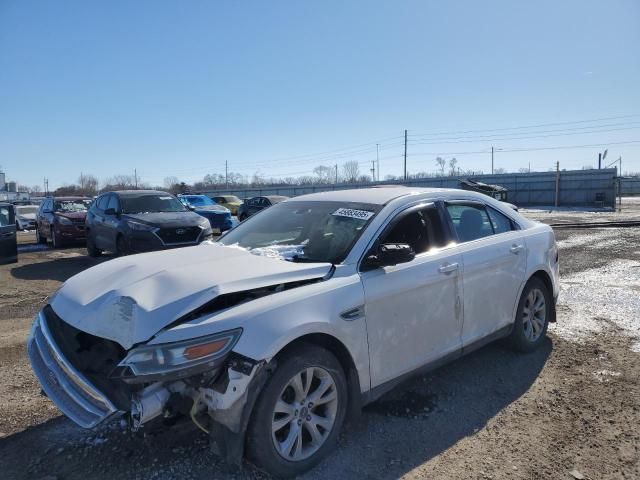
(151,203)
(304,231)
(67,206)
(470,222)
(113,203)
(421,230)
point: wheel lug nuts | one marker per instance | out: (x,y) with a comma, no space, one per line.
(299,422)
(308,418)
(310,404)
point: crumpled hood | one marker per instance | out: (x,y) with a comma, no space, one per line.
(130,299)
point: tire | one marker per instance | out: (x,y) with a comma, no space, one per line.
(39,238)
(530,326)
(92,250)
(324,419)
(121,246)
(56,241)
(242,217)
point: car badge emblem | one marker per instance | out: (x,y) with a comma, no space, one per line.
(180,231)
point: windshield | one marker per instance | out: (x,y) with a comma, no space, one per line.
(303,231)
(26,210)
(71,205)
(151,203)
(232,199)
(197,200)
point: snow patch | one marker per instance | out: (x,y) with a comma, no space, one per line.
(594,300)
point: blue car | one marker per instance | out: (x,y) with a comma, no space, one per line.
(219,217)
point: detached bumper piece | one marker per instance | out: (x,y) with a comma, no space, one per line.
(64,385)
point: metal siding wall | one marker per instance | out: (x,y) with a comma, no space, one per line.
(577,187)
(631,186)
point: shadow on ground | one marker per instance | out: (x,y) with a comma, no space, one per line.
(63,265)
(404,429)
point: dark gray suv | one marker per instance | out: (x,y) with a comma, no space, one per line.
(133,221)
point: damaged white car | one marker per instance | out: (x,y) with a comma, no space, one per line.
(271,337)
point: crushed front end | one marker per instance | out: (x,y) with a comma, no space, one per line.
(92,380)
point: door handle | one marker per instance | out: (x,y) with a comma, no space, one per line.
(516,248)
(448,268)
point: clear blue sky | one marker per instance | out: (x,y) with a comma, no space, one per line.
(177,88)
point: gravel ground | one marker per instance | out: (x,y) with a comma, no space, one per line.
(569,410)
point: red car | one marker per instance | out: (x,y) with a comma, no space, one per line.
(61,220)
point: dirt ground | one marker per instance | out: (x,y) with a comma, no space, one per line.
(569,410)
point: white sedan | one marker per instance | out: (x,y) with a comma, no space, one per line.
(297,317)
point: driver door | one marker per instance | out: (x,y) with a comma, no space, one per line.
(413,310)
(8,240)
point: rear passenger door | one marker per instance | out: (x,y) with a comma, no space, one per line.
(494,258)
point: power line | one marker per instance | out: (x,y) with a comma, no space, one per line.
(525,138)
(506,135)
(527,126)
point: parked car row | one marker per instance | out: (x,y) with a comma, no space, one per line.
(136,220)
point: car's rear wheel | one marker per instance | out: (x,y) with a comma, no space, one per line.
(92,250)
(242,217)
(532,319)
(299,415)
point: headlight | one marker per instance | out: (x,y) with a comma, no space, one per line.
(204,223)
(64,221)
(140,227)
(168,357)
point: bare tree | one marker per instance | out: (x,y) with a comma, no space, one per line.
(452,165)
(523,170)
(88,184)
(442,164)
(351,171)
(325,174)
(499,171)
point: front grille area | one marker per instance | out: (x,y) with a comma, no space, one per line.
(71,391)
(179,235)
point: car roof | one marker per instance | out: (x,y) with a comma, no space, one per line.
(68,197)
(138,193)
(374,195)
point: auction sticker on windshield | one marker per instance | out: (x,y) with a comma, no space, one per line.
(351,213)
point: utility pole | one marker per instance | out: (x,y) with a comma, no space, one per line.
(557,182)
(492,160)
(373,170)
(226,174)
(378,159)
(135,177)
(405,155)
(336,173)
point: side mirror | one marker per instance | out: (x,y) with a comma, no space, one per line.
(110,211)
(390,254)
(191,207)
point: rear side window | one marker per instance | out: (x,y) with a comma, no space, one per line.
(6,216)
(471,222)
(421,229)
(500,222)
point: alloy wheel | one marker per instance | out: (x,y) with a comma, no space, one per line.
(534,314)
(304,414)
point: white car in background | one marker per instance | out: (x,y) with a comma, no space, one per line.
(26,217)
(297,317)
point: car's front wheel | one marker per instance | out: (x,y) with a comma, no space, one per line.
(298,417)
(40,238)
(92,250)
(532,319)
